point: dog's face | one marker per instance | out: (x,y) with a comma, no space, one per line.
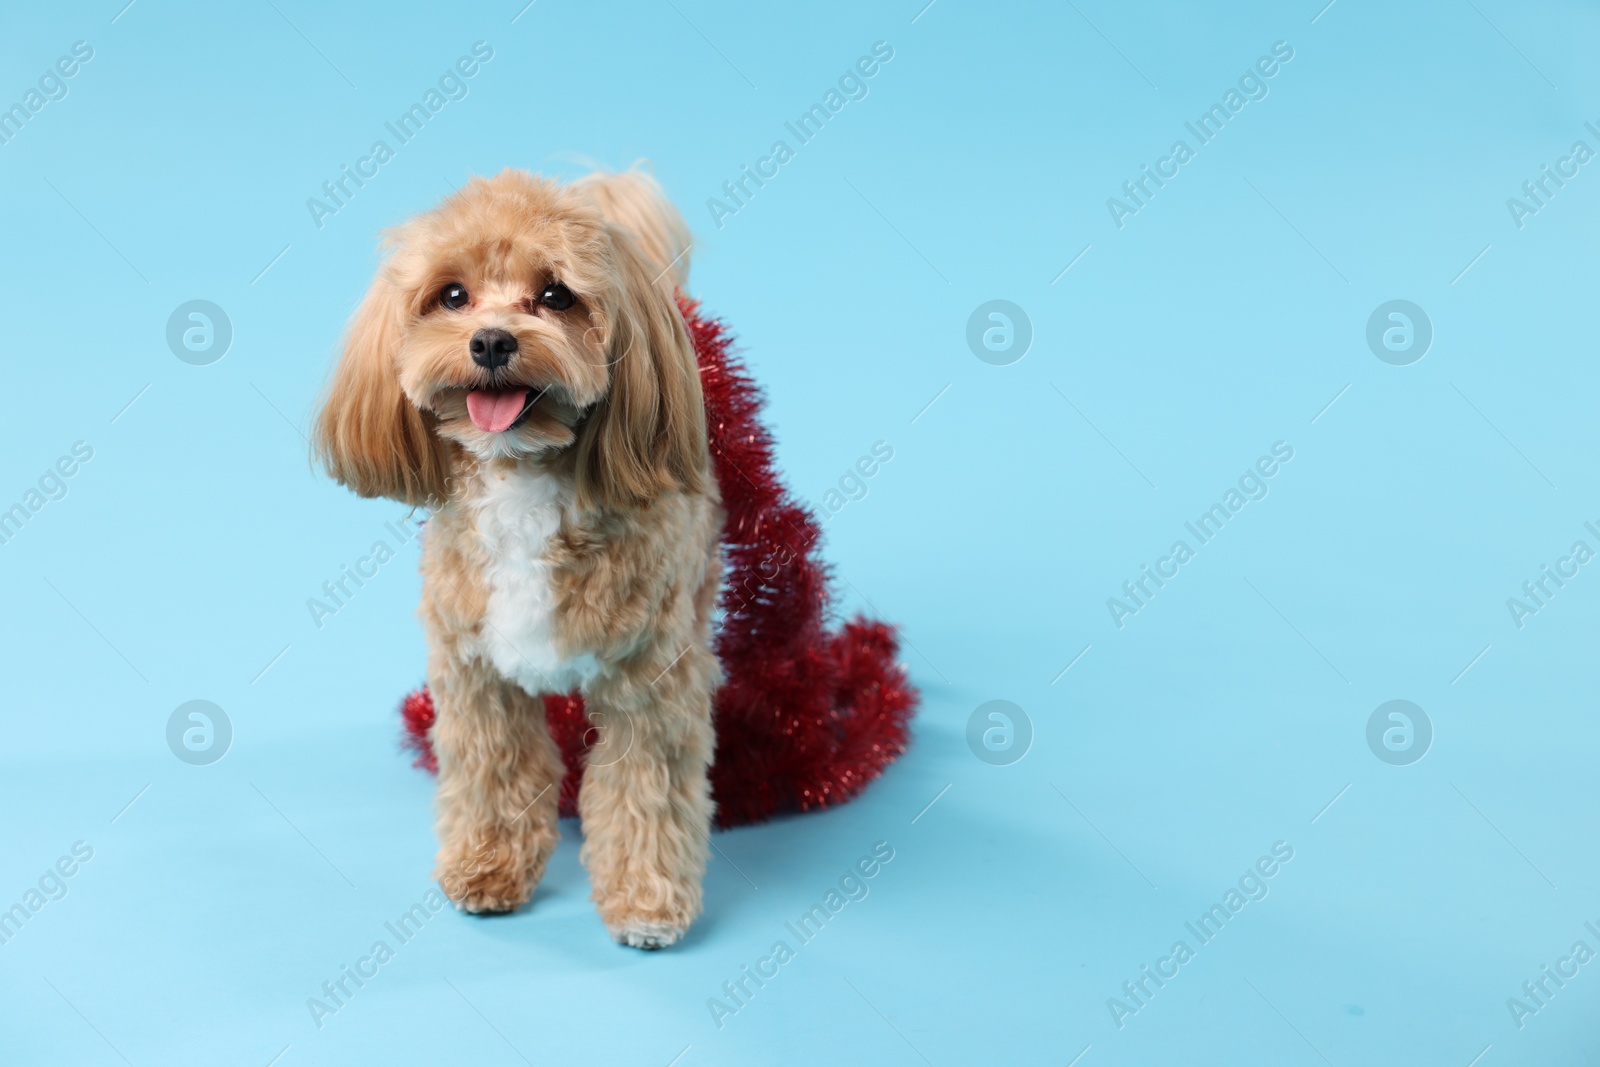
(508,293)
(515,320)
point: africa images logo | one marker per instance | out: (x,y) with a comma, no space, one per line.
(1252,485)
(852,85)
(1204,129)
(199,733)
(452,86)
(853,887)
(1251,887)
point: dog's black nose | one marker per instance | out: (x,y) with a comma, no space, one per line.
(492,348)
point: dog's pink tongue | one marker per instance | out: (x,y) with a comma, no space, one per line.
(493,412)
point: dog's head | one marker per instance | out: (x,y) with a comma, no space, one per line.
(523,318)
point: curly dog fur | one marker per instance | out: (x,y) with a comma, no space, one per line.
(520,367)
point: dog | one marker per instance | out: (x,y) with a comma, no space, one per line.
(520,367)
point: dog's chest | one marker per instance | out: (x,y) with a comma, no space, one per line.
(517,514)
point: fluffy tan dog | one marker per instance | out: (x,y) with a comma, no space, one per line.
(521,368)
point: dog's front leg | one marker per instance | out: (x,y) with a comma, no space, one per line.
(499,784)
(645,801)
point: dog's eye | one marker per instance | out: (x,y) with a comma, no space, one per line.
(557,297)
(453,296)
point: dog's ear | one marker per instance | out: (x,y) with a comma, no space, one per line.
(634,202)
(368,435)
(648,435)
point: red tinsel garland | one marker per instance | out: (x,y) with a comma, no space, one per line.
(806,716)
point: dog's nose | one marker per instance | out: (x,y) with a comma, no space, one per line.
(492,348)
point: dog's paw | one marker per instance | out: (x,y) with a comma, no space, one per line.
(486,880)
(646,935)
(492,900)
(490,895)
(652,922)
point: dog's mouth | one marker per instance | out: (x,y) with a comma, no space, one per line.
(498,410)
(505,417)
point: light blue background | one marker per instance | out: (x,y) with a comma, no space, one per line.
(1224,717)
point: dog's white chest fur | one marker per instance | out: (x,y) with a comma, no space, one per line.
(517,512)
